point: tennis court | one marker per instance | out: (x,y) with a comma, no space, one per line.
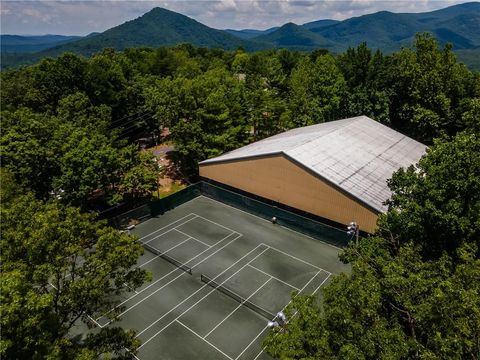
(219,274)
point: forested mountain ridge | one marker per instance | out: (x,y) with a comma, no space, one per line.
(458,24)
(17,43)
(293,36)
(250,33)
(158,27)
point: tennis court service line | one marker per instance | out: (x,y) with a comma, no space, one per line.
(160,318)
(173,222)
(195,304)
(238,307)
(166,232)
(92,319)
(269,221)
(323,282)
(273,277)
(208,342)
(301,260)
(194,238)
(166,275)
(213,222)
(266,327)
(166,251)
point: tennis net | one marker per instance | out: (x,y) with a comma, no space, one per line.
(259,310)
(168,258)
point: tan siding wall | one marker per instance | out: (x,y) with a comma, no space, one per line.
(279,179)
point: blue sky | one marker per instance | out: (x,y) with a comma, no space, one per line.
(71,17)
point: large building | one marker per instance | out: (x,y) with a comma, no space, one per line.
(336,170)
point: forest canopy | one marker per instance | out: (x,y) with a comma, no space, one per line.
(213,101)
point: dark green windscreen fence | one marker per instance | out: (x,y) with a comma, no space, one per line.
(297,222)
(246,202)
(156,207)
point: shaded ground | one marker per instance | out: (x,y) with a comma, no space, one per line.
(170,181)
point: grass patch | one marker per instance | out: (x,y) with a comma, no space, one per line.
(166,191)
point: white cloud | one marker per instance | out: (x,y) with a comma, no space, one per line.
(83,17)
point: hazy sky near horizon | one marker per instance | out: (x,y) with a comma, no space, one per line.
(73,17)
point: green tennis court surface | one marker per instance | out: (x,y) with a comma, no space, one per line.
(250,268)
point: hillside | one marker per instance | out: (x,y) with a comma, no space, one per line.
(250,33)
(459,24)
(26,44)
(158,27)
(294,37)
(387,31)
(319,24)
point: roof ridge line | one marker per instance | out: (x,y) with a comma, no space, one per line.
(310,140)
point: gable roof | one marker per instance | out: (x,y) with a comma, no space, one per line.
(357,155)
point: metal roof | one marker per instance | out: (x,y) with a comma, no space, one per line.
(357,154)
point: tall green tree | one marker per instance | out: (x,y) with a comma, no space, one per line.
(427,86)
(27,149)
(61,269)
(365,75)
(316,89)
(141,179)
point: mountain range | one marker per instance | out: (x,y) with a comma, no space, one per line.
(26,44)
(387,31)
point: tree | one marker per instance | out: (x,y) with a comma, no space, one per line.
(427,86)
(315,91)
(413,292)
(437,205)
(60,269)
(27,150)
(88,162)
(140,180)
(365,75)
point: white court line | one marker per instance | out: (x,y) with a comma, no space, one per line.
(135,356)
(296,258)
(157,256)
(148,327)
(208,294)
(175,278)
(213,222)
(238,307)
(260,333)
(136,292)
(260,218)
(166,232)
(163,227)
(286,283)
(208,342)
(323,282)
(194,238)
(92,319)
(169,273)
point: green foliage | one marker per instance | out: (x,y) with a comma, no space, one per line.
(141,179)
(437,204)
(315,92)
(72,156)
(428,86)
(413,292)
(60,269)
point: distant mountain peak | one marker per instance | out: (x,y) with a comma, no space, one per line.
(384,30)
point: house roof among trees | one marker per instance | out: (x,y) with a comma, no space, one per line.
(357,155)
